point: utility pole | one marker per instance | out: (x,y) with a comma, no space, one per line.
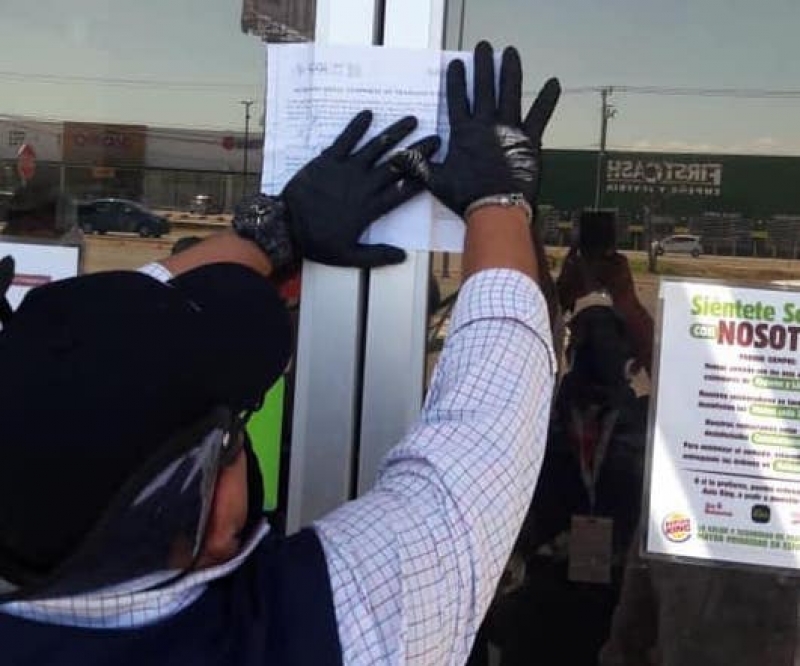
(247,103)
(649,237)
(607,112)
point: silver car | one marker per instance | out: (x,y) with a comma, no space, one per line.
(679,244)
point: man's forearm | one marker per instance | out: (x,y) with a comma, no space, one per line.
(225,247)
(499,237)
(426,548)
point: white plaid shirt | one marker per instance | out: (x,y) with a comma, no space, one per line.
(413,564)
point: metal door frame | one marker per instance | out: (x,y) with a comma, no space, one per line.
(397,315)
(329,344)
(361,339)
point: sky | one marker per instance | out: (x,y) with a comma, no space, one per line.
(197,65)
(665,43)
(193,54)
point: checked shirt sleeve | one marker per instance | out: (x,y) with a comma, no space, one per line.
(414,563)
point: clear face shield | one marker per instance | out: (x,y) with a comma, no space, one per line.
(153,529)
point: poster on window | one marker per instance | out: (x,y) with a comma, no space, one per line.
(724,451)
(37,264)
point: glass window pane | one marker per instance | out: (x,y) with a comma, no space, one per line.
(160,104)
(701,159)
(129,126)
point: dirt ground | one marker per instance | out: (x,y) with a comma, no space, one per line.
(114,252)
(125,252)
(741,269)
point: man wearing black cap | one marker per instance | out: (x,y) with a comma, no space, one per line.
(130,530)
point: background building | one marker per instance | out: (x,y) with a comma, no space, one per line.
(739,204)
(162,167)
(279,20)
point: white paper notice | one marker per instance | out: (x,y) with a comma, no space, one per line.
(725,451)
(38,264)
(314,90)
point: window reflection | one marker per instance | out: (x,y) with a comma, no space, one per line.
(691,140)
(105,102)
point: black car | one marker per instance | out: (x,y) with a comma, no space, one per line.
(103,215)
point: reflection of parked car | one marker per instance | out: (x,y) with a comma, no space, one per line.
(204,204)
(679,244)
(104,215)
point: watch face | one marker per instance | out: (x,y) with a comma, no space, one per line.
(262,219)
(253,210)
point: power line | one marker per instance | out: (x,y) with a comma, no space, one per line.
(739,93)
(676,91)
(179,133)
(21,77)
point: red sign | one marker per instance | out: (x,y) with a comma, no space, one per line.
(97,144)
(26,161)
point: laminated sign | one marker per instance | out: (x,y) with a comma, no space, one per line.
(724,450)
(37,264)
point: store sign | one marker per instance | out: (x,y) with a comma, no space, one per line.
(103,173)
(201,150)
(668,177)
(237,143)
(104,145)
(724,479)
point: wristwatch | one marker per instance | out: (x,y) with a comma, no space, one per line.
(513,200)
(265,221)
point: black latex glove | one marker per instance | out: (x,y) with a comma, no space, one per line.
(492,150)
(335,197)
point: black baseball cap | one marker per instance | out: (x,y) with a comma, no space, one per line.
(99,372)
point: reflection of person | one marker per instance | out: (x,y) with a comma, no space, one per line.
(38,210)
(137,475)
(593,466)
(672,614)
(611,275)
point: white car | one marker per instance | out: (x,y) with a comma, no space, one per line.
(679,244)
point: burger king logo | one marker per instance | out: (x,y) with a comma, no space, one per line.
(677,527)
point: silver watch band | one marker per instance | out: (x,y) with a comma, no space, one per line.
(514,200)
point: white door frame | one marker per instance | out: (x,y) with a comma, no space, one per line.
(361,340)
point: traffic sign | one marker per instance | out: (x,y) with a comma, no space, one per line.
(26,162)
